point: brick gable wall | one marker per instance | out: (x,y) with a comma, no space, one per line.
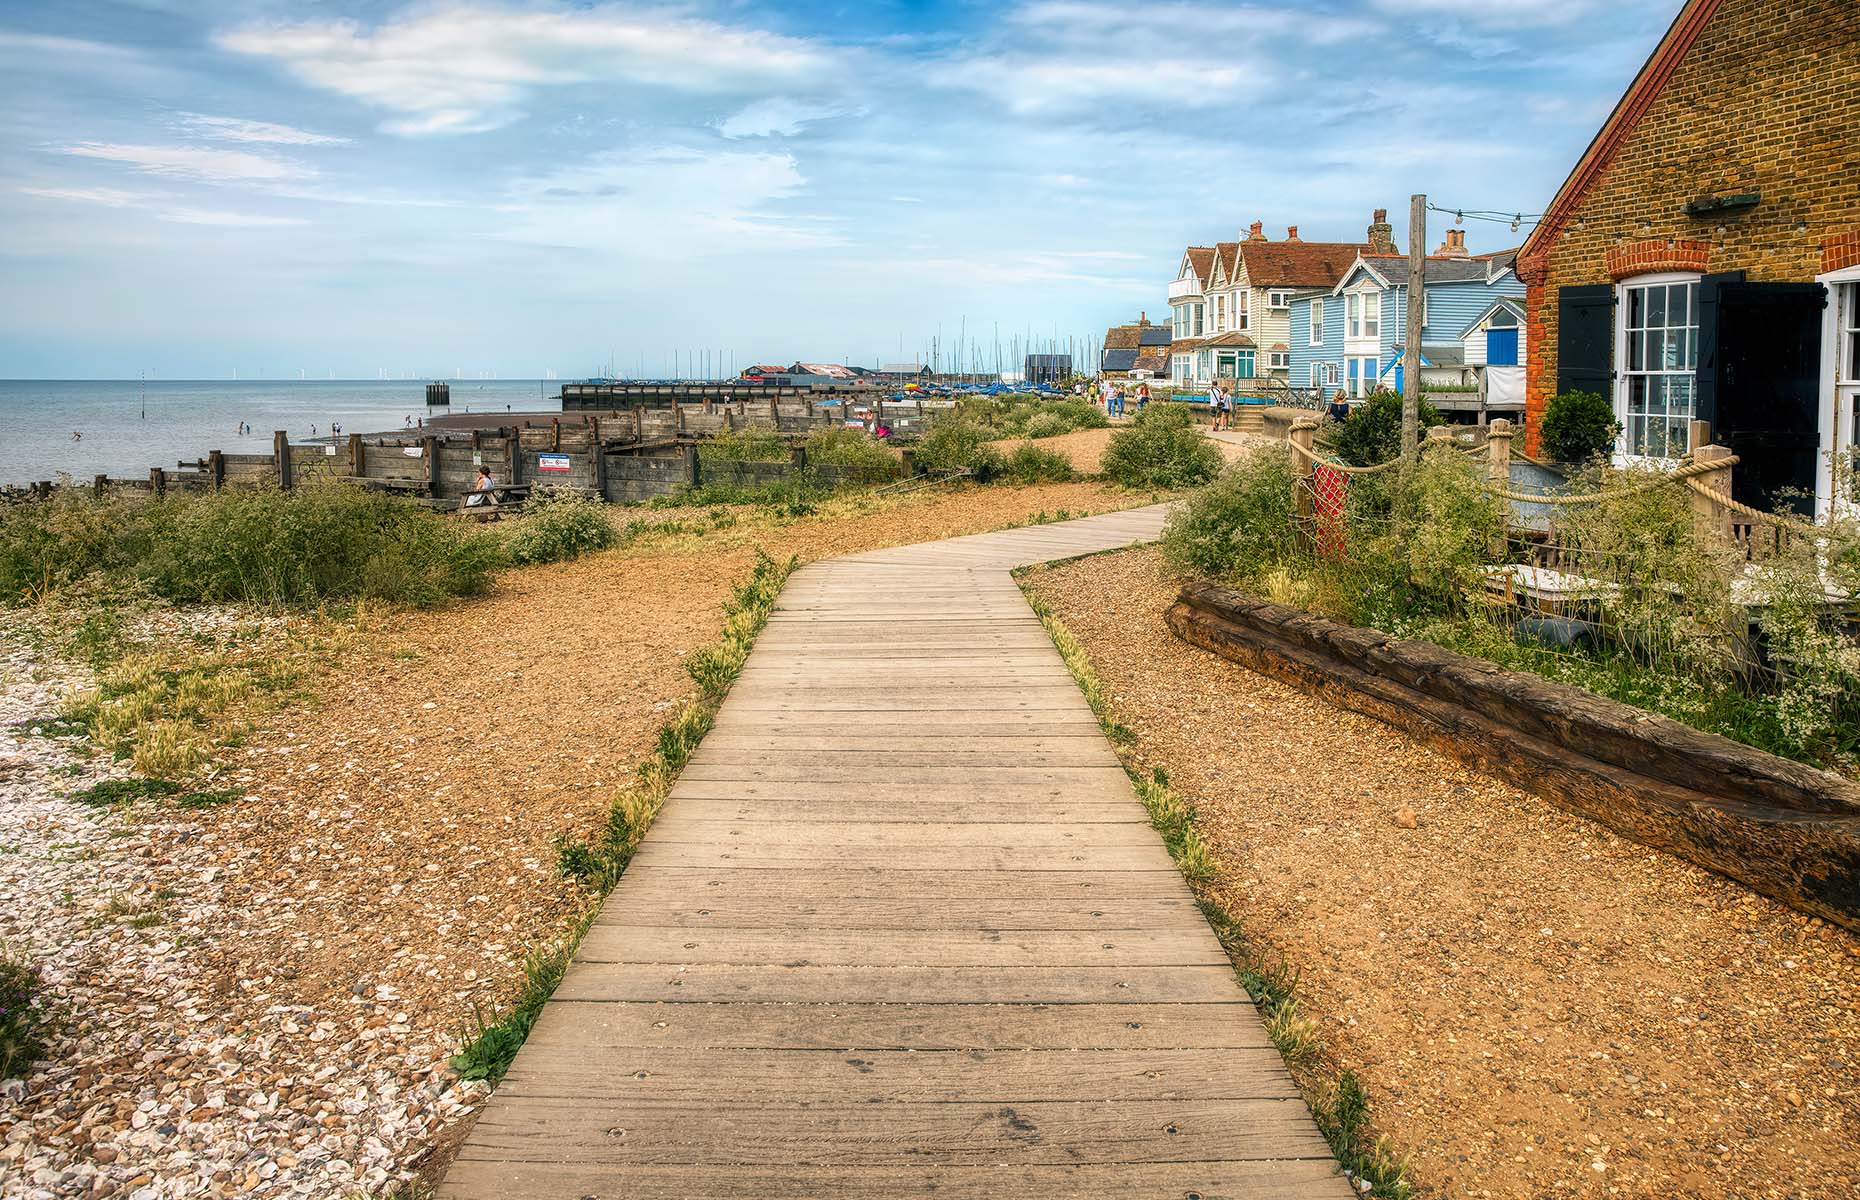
(1767,100)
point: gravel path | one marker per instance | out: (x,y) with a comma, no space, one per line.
(259,999)
(1538,1007)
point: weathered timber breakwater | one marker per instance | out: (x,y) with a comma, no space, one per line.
(630,454)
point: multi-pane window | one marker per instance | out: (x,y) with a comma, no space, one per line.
(1220,313)
(1660,354)
(1317,375)
(1279,360)
(1243,365)
(1850,335)
(1362,375)
(1317,322)
(1279,299)
(1242,299)
(1197,311)
(1353,314)
(1372,314)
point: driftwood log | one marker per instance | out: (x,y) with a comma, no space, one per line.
(1785,829)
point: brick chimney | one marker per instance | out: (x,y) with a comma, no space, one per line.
(1143,318)
(1382,234)
(1454,246)
(1291,233)
(1256,232)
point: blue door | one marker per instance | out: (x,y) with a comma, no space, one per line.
(1501,347)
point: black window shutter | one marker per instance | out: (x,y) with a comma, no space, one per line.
(1584,340)
(1707,372)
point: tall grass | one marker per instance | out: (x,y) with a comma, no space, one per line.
(1658,624)
(262,546)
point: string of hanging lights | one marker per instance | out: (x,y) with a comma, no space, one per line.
(1516,220)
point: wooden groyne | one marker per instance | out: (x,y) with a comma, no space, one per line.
(577,397)
(633,454)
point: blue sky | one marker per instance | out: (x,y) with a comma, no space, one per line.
(194,187)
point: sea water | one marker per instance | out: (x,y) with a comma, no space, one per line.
(127,426)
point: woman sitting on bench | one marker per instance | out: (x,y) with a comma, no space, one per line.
(485,492)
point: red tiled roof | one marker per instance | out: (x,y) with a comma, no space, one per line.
(1201,258)
(1298,264)
(1122,337)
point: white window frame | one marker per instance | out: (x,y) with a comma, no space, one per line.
(1200,315)
(1353,316)
(1279,299)
(1252,364)
(1317,321)
(1278,360)
(1330,374)
(1220,312)
(1372,314)
(1317,375)
(1243,307)
(1622,383)
(1840,388)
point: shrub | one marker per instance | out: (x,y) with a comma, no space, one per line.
(1578,427)
(1033,464)
(745,445)
(1373,433)
(264,546)
(1162,448)
(558,525)
(955,444)
(1048,424)
(841,446)
(1447,526)
(20,1017)
(1239,526)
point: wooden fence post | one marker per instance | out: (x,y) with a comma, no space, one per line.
(513,449)
(600,456)
(429,446)
(639,424)
(1712,516)
(281,456)
(358,457)
(692,472)
(1498,453)
(100,484)
(1303,435)
(216,469)
(797,459)
(158,481)
(678,417)
(555,436)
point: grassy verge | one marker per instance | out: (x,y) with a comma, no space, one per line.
(1335,1094)
(599,862)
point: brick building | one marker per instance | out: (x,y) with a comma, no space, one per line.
(1703,257)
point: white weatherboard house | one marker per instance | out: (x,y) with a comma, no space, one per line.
(1231,304)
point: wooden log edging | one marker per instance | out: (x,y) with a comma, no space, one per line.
(1783,828)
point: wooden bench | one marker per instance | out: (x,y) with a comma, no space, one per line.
(504,497)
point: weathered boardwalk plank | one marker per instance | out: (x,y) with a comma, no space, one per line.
(902,930)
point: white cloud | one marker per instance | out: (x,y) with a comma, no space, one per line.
(235,129)
(236,220)
(196,162)
(1187,26)
(1506,16)
(469,67)
(110,197)
(666,203)
(1064,84)
(161,207)
(774,116)
(40,43)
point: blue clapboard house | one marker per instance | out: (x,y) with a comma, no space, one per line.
(1349,337)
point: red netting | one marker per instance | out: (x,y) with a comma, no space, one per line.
(1330,489)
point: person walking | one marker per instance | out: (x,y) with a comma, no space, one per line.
(1143,395)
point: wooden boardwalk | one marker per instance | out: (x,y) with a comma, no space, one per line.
(902,929)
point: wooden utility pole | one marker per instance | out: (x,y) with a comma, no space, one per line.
(1411,326)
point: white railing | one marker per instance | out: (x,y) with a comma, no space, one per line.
(1183,288)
